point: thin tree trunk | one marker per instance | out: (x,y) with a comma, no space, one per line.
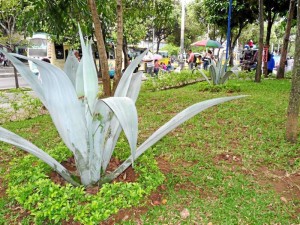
(280,72)
(125,52)
(270,19)
(119,45)
(16,78)
(157,45)
(261,40)
(294,102)
(101,48)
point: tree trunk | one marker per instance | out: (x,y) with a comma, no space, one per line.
(294,101)
(261,40)
(280,72)
(157,45)
(270,19)
(16,78)
(101,48)
(118,67)
(125,53)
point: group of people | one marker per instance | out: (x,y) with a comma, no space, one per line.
(153,67)
(197,61)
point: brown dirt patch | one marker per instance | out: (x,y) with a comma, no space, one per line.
(2,189)
(127,176)
(287,185)
(229,157)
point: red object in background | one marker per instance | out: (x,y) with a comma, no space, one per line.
(265,54)
(250,43)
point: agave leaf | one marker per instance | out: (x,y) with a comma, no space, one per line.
(135,86)
(224,69)
(71,66)
(125,111)
(226,76)
(112,128)
(169,126)
(90,79)
(79,80)
(56,85)
(12,138)
(213,73)
(203,74)
(125,80)
(28,76)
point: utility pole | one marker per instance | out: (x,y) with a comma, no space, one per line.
(182,34)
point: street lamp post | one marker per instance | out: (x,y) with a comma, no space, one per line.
(182,34)
(228,28)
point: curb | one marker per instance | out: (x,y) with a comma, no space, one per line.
(6,75)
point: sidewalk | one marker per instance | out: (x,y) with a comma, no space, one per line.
(7,72)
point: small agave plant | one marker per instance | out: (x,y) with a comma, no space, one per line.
(218,72)
(90,127)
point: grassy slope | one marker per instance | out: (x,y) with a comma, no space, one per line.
(217,191)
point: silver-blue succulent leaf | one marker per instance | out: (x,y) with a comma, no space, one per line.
(165,129)
(13,139)
(71,66)
(90,79)
(205,77)
(28,76)
(63,105)
(123,86)
(125,111)
(112,129)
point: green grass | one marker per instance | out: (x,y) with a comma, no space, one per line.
(211,188)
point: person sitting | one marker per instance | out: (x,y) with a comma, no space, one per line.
(198,61)
(163,66)
(169,67)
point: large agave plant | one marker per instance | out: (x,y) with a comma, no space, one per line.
(90,127)
(218,72)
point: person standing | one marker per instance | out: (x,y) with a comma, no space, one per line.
(190,60)
(156,67)
(271,63)
(149,63)
(5,61)
(207,59)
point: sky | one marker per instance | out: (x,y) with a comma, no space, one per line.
(187,1)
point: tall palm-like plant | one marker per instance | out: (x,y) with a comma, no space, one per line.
(90,127)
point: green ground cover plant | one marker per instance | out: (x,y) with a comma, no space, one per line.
(224,165)
(17,104)
(172,80)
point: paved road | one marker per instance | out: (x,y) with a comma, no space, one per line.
(9,82)
(7,79)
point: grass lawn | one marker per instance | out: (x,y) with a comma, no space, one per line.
(228,165)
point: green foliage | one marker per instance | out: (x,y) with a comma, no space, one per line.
(227,88)
(171,80)
(18,104)
(52,203)
(237,189)
(172,49)
(246,75)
